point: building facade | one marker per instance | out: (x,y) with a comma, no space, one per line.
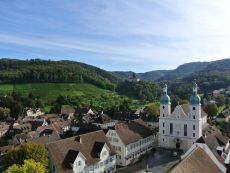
(130,141)
(87,153)
(182,127)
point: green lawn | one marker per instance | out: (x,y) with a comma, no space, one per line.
(50,91)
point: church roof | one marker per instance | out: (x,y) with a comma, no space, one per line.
(194,99)
(165,99)
(183,111)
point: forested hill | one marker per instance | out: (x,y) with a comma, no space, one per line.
(159,75)
(36,70)
(216,75)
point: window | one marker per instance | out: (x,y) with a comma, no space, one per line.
(163,107)
(163,124)
(115,140)
(194,108)
(96,166)
(194,117)
(79,163)
(194,135)
(171,128)
(194,127)
(185,129)
(163,139)
(104,153)
(163,131)
(163,115)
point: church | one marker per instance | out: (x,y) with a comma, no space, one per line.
(182,127)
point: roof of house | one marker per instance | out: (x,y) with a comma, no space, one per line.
(84,143)
(132,131)
(23,127)
(47,116)
(197,162)
(67,110)
(58,125)
(103,119)
(213,138)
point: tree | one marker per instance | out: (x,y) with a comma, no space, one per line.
(134,75)
(4,112)
(39,103)
(56,109)
(16,110)
(152,109)
(29,166)
(220,99)
(17,155)
(61,100)
(211,109)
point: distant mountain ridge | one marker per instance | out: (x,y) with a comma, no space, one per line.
(180,72)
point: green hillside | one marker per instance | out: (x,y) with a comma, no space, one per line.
(50,91)
(36,70)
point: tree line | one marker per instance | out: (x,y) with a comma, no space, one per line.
(36,70)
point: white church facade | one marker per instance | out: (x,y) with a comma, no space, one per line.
(182,127)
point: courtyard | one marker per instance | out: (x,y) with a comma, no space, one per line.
(158,161)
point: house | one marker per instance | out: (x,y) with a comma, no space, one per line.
(89,152)
(4,127)
(182,127)
(199,159)
(104,121)
(130,140)
(61,126)
(82,128)
(21,138)
(125,115)
(217,143)
(223,116)
(84,111)
(67,112)
(21,128)
(34,113)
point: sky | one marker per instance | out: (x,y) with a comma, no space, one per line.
(121,35)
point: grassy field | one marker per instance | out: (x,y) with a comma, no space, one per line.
(50,91)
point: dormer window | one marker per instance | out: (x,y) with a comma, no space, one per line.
(79,163)
(104,153)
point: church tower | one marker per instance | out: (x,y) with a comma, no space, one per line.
(165,105)
(195,113)
(195,106)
